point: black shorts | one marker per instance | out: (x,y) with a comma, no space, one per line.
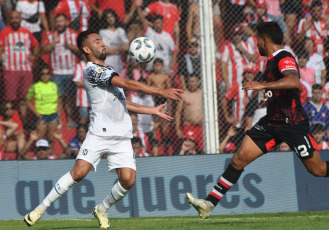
(298,137)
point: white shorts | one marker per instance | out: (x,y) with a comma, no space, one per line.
(119,152)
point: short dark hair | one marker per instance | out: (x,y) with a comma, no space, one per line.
(316,3)
(82,37)
(316,86)
(317,127)
(135,140)
(82,126)
(59,15)
(157,16)
(271,30)
(160,60)
(104,15)
(303,54)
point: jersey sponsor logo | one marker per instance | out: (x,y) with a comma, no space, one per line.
(19,47)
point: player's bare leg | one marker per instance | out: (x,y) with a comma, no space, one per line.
(118,192)
(79,171)
(247,152)
(315,165)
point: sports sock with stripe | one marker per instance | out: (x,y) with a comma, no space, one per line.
(61,187)
(116,194)
(230,176)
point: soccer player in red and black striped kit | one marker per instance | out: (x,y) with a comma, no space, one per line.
(285,120)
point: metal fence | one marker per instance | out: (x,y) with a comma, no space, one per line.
(205,47)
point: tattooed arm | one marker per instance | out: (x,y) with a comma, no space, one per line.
(159,110)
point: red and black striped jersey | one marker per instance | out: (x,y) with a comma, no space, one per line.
(283,106)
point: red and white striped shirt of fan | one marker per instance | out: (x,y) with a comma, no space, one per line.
(63,60)
(236,61)
(241,99)
(72,8)
(17,46)
(82,100)
(312,33)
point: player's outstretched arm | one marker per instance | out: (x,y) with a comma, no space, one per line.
(159,110)
(174,94)
(289,81)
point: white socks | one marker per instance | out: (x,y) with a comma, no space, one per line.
(116,194)
(61,187)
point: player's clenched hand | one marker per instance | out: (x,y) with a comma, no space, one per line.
(160,112)
(253,85)
(175,94)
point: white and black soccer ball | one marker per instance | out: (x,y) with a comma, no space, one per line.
(142,50)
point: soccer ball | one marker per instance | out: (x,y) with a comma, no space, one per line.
(142,50)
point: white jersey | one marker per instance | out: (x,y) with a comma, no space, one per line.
(109,115)
(114,39)
(164,44)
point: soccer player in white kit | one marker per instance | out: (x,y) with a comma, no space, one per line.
(110,129)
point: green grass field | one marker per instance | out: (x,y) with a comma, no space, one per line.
(277,221)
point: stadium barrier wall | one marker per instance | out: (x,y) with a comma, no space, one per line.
(276,182)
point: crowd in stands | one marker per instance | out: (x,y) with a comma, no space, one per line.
(45,111)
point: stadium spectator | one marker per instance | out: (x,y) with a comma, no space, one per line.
(81,97)
(33,14)
(138,147)
(145,123)
(119,6)
(18,50)
(261,15)
(76,142)
(318,134)
(58,135)
(159,79)
(163,42)
(316,110)
(232,140)
(43,149)
(240,99)
(61,44)
(235,56)
(46,103)
(306,73)
(115,38)
(315,61)
(291,9)
(134,71)
(170,17)
(190,63)
(188,116)
(77,13)
(314,27)
(283,147)
(14,137)
(146,142)
(226,145)
(193,22)
(236,8)
(134,30)
(189,147)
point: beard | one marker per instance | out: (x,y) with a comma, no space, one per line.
(102,57)
(262,51)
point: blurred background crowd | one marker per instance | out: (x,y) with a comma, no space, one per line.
(44,109)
